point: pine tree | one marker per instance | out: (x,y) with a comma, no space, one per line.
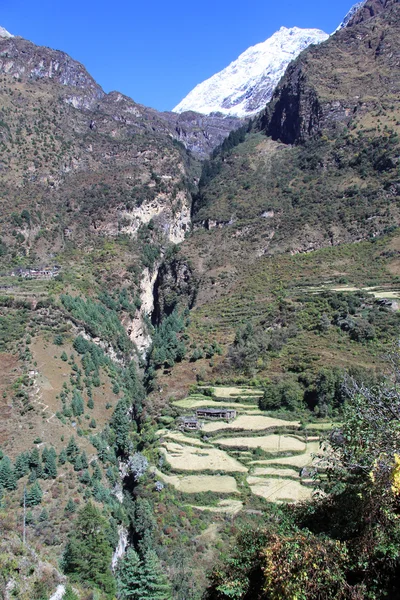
(84,460)
(44,516)
(70,594)
(97,476)
(120,423)
(129,576)
(78,463)
(85,477)
(70,507)
(35,463)
(62,457)
(72,450)
(154,584)
(50,465)
(8,479)
(77,405)
(87,556)
(34,495)
(21,466)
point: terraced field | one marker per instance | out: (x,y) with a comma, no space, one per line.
(194,484)
(250,423)
(198,401)
(273,475)
(188,458)
(279,489)
(274,443)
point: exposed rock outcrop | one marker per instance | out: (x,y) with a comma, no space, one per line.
(175,285)
(368,70)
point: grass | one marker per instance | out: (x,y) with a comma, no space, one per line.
(270,443)
(279,489)
(187,458)
(250,423)
(234,391)
(297,461)
(203,401)
(231,507)
(192,484)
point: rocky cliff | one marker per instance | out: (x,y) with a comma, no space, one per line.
(360,67)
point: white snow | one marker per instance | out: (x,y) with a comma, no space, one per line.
(244,87)
(4,33)
(350,14)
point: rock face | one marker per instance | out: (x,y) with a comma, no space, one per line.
(354,9)
(175,285)
(368,9)
(199,133)
(306,103)
(247,84)
(25,61)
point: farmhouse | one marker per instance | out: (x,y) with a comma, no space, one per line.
(216,413)
(191,423)
(37,272)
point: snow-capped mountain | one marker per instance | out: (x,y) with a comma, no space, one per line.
(351,14)
(4,33)
(247,84)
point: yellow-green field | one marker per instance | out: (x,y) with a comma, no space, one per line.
(193,402)
(188,458)
(231,507)
(234,392)
(193,484)
(250,423)
(270,443)
(297,461)
(180,437)
(274,472)
(279,489)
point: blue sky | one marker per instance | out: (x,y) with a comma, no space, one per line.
(157,51)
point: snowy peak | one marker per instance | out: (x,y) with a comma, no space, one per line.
(351,14)
(4,33)
(244,87)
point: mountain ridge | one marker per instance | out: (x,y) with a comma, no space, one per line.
(244,87)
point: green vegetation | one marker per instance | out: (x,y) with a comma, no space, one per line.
(87,555)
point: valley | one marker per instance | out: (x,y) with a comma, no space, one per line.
(199,325)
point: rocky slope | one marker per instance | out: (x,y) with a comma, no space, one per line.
(320,167)
(247,84)
(24,61)
(366,74)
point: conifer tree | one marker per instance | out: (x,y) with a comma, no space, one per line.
(78,463)
(87,556)
(70,507)
(120,423)
(154,584)
(85,477)
(35,463)
(129,576)
(77,405)
(62,457)
(84,460)
(34,495)
(50,465)
(44,516)
(21,466)
(96,473)
(72,450)
(70,594)
(8,479)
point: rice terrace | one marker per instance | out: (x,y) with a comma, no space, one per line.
(272,458)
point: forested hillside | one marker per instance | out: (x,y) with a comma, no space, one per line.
(199,358)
